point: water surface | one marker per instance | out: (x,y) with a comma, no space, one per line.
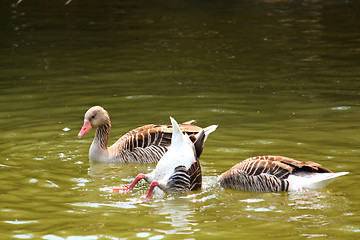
(278,77)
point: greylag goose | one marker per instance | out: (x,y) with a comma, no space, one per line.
(146,144)
(276,173)
(179,168)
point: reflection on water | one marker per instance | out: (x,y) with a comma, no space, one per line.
(178,214)
(117,170)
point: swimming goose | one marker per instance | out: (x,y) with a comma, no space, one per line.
(276,173)
(179,169)
(146,144)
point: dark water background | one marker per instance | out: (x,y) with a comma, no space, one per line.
(278,77)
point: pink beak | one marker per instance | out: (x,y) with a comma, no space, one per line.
(85,128)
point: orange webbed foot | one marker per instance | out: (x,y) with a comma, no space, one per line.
(121,189)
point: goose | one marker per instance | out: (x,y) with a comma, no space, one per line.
(275,174)
(146,144)
(179,168)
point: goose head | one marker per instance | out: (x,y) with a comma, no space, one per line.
(94,117)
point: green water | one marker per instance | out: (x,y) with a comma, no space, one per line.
(278,77)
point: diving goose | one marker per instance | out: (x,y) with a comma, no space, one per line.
(146,144)
(179,168)
(276,173)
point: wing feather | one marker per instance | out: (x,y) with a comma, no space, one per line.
(179,181)
(184,179)
(159,135)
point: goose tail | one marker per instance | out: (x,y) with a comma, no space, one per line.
(178,137)
(209,130)
(313,181)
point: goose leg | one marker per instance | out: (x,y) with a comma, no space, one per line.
(151,189)
(131,186)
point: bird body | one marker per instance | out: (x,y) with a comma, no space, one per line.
(146,144)
(172,171)
(179,168)
(276,173)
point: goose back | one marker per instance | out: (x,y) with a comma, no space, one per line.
(147,144)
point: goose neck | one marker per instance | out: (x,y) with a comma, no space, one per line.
(102,134)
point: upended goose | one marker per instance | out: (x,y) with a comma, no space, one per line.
(276,173)
(146,144)
(179,169)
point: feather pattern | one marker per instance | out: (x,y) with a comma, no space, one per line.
(195,176)
(273,174)
(146,144)
(179,180)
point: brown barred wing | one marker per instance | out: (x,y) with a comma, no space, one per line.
(147,144)
(266,173)
(260,174)
(239,180)
(195,169)
(145,136)
(299,166)
(179,181)
(271,165)
(183,179)
(195,176)
(150,154)
(148,135)
(275,163)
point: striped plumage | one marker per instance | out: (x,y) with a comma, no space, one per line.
(179,169)
(146,144)
(276,173)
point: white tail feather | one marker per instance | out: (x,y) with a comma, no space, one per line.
(177,136)
(312,181)
(209,130)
